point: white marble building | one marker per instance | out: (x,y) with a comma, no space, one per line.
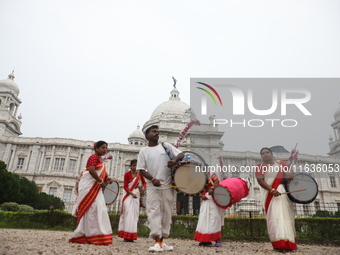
(55,163)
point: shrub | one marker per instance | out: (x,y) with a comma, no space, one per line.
(10,206)
(26,208)
(321,213)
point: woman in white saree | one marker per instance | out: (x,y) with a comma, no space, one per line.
(93,224)
(279,209)
(127,228)
(210,219)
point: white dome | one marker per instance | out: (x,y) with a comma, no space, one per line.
(8,85)
(174,107)
(337,114)
(137,133)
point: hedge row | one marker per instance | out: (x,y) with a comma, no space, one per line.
(310,230)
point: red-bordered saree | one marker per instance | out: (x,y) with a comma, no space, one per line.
(94,225)
(279,210)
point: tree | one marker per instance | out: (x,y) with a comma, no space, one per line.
(28,191)
(45,201)
(19,189)
(10,185)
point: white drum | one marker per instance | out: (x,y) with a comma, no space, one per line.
(302,181)
(111,192)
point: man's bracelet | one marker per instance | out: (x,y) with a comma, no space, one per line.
(272,190)
(101,181)
(153,179)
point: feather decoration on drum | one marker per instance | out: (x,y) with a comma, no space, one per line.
(108,156)
(302,188)
(293,158)
(185,131)
(224,176)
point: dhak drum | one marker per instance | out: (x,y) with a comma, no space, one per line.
(302,181)
(230,191)
(188,177)
(111,192)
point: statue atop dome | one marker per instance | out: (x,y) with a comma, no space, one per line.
(174,81)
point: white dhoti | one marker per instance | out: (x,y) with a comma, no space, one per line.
(159,207)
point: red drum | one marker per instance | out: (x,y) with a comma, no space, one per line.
(230,191)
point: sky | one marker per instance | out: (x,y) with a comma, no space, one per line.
(94,70)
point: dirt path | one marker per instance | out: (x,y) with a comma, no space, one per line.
(17,241)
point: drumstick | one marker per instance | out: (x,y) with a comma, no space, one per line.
(220,194)
(111,190)
(215,200)
(294,191)
(173,186)
(302,180)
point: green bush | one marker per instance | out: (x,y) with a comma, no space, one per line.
(308,230)
(10,207)
(320,213)
(26,208)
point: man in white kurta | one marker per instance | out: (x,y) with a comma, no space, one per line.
(154,164)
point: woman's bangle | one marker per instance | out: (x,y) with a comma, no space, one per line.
(272,190)
(153,179)
(101,181)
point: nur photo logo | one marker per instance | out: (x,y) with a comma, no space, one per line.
(204,99)
(282,102)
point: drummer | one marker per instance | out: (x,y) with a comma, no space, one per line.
(154,164)
(211,218)
(127,228)
(279,209)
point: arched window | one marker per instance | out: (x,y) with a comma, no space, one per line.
(11,108)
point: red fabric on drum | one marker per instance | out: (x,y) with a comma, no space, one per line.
(237,188)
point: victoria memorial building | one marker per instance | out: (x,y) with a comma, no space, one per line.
(55,163)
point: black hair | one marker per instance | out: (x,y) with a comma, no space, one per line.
(133,162)
(100,143)
(266,148)
(147,131)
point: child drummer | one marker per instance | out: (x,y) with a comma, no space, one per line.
(210,219)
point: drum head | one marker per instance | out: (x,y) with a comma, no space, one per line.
(111,193)
(188,181)
(192,158)
(222,197)
(299,182)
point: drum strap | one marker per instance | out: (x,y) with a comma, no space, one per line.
(166,150)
